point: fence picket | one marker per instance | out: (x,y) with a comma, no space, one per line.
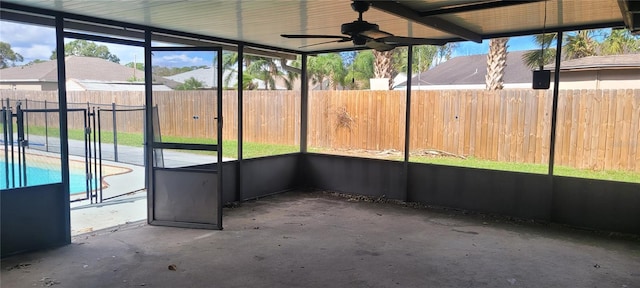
(596,129)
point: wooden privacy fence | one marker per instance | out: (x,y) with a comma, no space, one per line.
(269,116)
(596,129)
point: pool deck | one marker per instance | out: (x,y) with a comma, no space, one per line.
(87,217)
(132,206)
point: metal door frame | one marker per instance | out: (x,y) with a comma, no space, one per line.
(151,144)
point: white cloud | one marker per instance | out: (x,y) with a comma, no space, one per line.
(126,53)
(179,60)
(31,41)
(36,51)
(37,42)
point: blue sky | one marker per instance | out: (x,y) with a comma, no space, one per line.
(37,42)
(515,44)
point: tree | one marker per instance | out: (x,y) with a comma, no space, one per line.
(162,71)
(383,66)
(579,44)
(620,42)
(422,58)
(496,63)
(36,61)
(7,56)
(230,63)
(88,49)
(444,52)
(139,66)
(327,67)
(360,70)
(190,84)
(247,82)
(540,57)
(265,69)
(291,73)
(138,76)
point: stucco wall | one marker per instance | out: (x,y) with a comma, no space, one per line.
(600,79)
(30,86)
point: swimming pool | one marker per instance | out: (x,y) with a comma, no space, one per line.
(40,176)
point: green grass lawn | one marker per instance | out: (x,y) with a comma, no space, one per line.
(622,176)
(229,147)
(483,164)
(253,149)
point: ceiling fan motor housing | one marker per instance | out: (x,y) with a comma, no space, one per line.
(360,6)
(357,27)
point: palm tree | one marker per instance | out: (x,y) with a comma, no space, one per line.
(540,57)
(360,70)
(620,42)
(327,67)
(265,69)
(496,63)
(229,62)
(247,82)
(190,84)
(579,44)
(291,72)
(444,52)
(383,66)
(423,56)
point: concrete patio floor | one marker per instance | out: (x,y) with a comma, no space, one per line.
(316,239)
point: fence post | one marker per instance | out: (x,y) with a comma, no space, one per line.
(26,106)
(115,132)
(144,146)
(46,127)
(99,152)
(10,141)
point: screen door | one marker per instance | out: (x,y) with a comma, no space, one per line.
(185,182)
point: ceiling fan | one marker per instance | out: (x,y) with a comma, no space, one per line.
(361,32)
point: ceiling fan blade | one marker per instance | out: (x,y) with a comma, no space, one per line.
(326,42)
(412,41)
(299,36)
(375,34)
(379,46)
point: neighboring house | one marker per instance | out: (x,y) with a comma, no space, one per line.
(95,85)
(208,77)
(593,72)
(83,74)
(600,72)
(468,72)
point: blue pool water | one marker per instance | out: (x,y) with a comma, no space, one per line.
(40,176)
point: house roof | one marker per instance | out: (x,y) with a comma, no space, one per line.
(77,67)
(208,77)
(626,61)
(464,70)
(91,85)
(205,75)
